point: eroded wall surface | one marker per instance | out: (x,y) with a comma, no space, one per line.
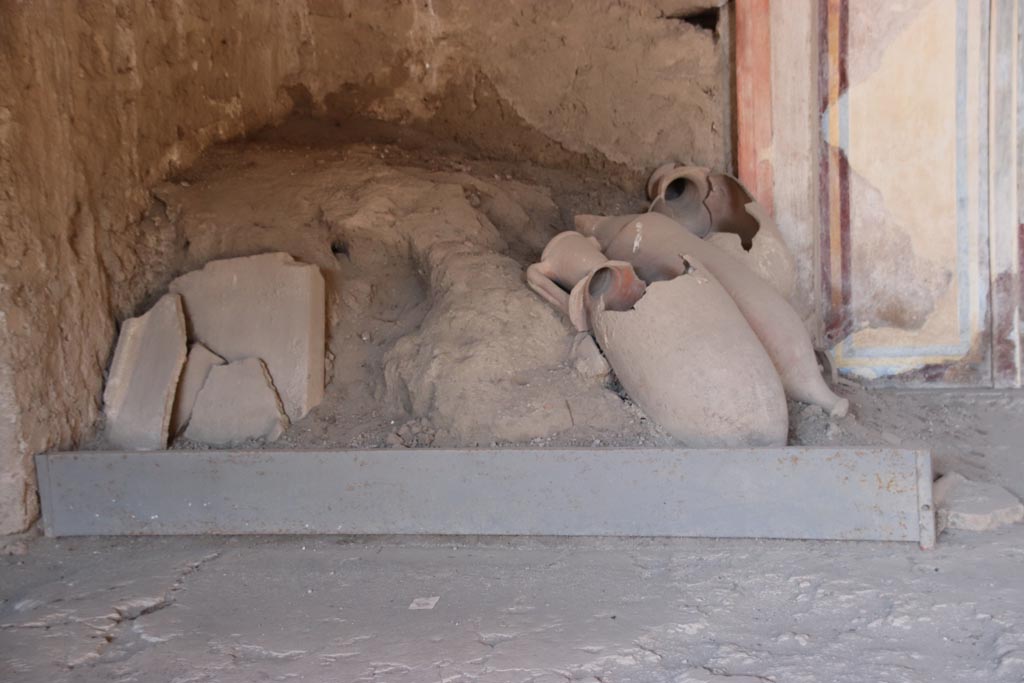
(902,195)
(99,100)
(905,123)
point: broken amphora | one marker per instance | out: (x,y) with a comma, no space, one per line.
(659,250)
(568,258)
(717,207)
(684,353)
(614,286)
(660,347)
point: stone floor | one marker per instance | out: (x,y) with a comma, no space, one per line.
(194,609)
(327,609)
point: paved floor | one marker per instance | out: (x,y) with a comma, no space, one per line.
(326,609)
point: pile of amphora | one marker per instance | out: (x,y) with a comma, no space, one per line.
(690,304)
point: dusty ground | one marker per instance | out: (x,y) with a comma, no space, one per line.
(513,611)
(543,610)
(978,433)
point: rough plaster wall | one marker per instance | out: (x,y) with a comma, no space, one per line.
(98,100)
(609,77)
(621,81)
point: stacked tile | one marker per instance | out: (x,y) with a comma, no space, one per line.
(256,361)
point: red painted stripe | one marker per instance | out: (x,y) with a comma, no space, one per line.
(824,243)
(843,322)
(838,321)
(754,99)
(844,177)
(844,43)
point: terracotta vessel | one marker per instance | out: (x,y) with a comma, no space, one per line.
(680,192)
(717,207)
(612,287)
(660,250)
(666,345)
(568,258)
(685,354)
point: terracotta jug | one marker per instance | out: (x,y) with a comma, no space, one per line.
(717,207)
(612,287)
(568,258)
(684,353)
(660,250)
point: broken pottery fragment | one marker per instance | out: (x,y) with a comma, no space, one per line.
(974,505)
(197,367)
(237,403)
(612,287)
(665,343)
(268,306)
(568,258)
(717,207)
(768,255)
(143,376)
(686,355)
(655,179)
(659,250)
(681,192)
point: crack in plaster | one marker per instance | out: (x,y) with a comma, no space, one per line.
(127,612)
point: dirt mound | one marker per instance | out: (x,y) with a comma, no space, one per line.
(430,325)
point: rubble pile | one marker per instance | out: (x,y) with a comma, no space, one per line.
(232,352)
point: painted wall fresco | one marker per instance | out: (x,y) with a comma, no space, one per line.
(904,188)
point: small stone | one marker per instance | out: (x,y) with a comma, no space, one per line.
(586,358)
(394,441)
(357,294)
(329,359)
(237,403)
(810,411)
(13,547)
(974,505)
(405,433)
(197,367)
(139,395)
